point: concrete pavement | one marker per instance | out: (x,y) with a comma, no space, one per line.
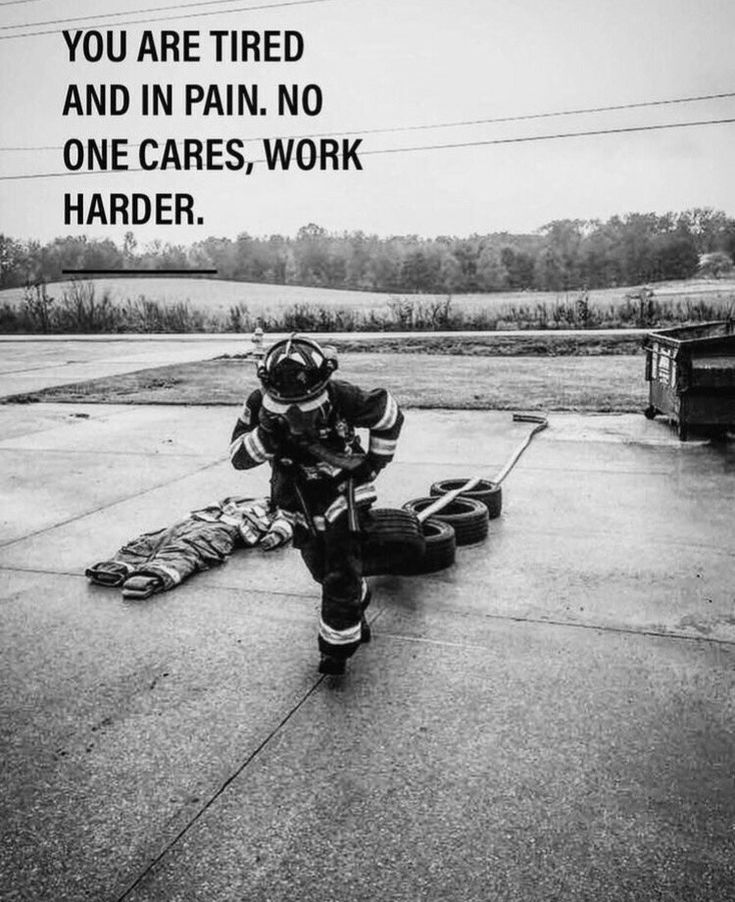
(30,362)
(551,718)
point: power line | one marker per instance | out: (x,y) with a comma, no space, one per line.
(463,122)
(15,2)
(520,140)
(129,12)
(209,12)
(601,131)
(498,119)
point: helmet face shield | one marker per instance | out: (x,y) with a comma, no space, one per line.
(293,380)
(304,418)
(296,370)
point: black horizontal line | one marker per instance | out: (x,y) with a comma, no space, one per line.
(140,272)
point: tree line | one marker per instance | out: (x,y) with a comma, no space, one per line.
(564,255)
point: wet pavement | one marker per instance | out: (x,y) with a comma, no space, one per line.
(553,717)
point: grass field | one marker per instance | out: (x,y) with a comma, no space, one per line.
(576,383)
(499,344)
(213,295)
(217,296)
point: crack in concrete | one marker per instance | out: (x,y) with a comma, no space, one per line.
(509,618)
(223,787)
(40,570)
(604,628)
(49,571)
(96,452)
(509,532)
(218,792)
(109,504)
(33,369)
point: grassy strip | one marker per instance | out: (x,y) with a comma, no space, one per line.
(496,344)
(576,383)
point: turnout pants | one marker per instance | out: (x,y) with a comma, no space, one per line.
(334,558)
(170,555)
(331,551)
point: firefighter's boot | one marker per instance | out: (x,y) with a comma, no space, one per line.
(332,664)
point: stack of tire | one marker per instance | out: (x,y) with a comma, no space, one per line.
(398,543)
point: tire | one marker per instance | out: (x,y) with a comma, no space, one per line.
(485,491)
(440,550)
(392,539)
(650,412)
(468,517)
(718,433)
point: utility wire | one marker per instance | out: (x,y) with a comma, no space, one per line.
(603,131)
(209,12)
(129,12)
(497,119)
(464,122)
(14,2)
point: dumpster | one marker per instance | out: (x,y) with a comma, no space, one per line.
(691,375)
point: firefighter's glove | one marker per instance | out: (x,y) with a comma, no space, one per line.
(280,533)
(270,541)
(367,471)
(278,437)
(275,427)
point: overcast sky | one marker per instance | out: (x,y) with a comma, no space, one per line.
(390,64)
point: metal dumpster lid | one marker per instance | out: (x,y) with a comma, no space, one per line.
(699,333)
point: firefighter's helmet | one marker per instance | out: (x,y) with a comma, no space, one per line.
(296,369)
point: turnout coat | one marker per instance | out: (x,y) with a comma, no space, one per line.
(349,408)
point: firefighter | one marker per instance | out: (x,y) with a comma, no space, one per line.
(303,422)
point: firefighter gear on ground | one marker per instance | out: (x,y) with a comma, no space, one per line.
(160,560)
(311,445)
